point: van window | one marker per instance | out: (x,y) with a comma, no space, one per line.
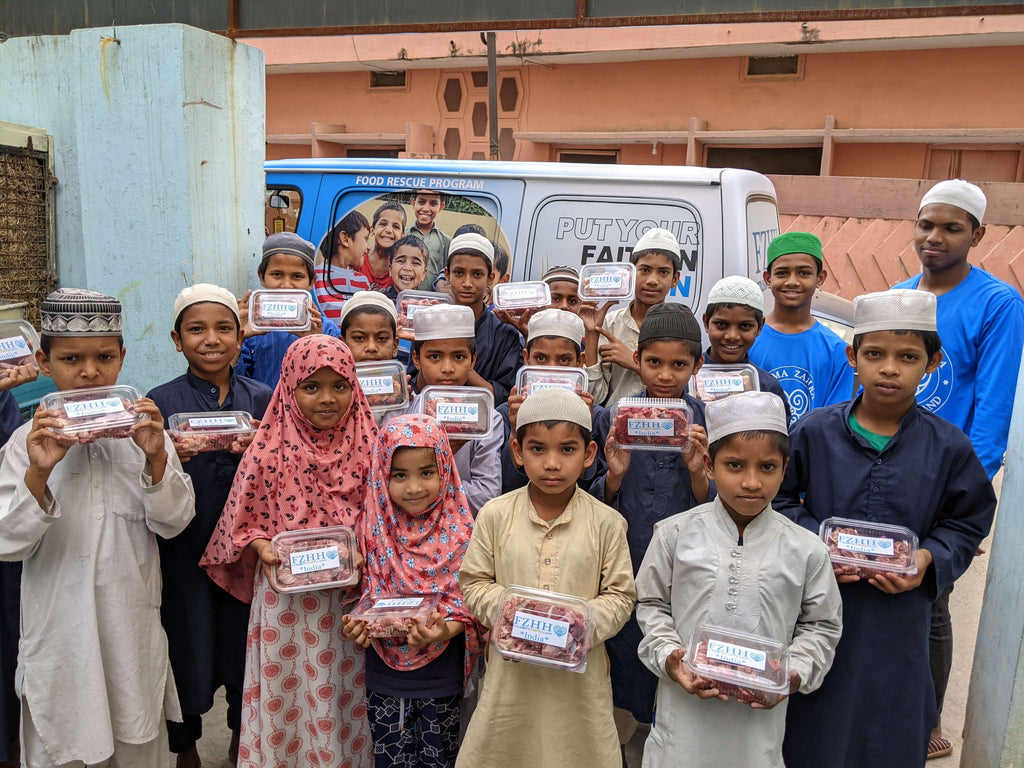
(762,228)
(584,230)
(283,206)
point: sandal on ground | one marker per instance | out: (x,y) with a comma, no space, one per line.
(939,748)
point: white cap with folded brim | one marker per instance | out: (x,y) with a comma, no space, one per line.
(368,299)
(205,292)
(554,404)
(444,321)
(657,240)
(745,412)
(960,193)
(471,242)
(736,289)
(901,309)
(556,322)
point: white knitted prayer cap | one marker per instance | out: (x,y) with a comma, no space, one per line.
(470,242)
(736,289)
(745,412)
(960,193)
(555,404)
(901,309)
(657,239)
(368,299)
(556,322)
(205,292)
(444,321)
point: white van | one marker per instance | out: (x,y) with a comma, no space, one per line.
(546,214)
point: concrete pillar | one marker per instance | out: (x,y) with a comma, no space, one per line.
(158,136)
(994,726)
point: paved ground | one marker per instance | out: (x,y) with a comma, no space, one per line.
(964,604)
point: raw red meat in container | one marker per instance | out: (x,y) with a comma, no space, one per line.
(714,381)
(533,378)
(279,310)
(607,282)
(651,423)
(748,667)
(96,412)
(408,302)
(516,297)
(317,558)
(862,548)
(18,344)
(393,615)
(384,384)
(209,431)
(545,628)
(464,412)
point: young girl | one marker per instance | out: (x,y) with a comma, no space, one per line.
(414,533)
(388,228)
(303,702)
(338,260)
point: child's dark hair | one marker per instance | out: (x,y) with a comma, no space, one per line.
(677,263)
(974,222)
(710,310)
(550,424)
(693,347)
(368,309)
(532,339)
(351,223)
(46,342)
(413,242)
(471,341)
(779,441)
(474,229)
(932,342)
(501,260)
(178,319)
(389,207)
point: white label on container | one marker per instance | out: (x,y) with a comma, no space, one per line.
(15,346)
(866,545)
(736,654)
(399,602)
(537,386)
(411,308)
(539,629)
(280,310)
(651,427)
(605,281)
(312,560)
(519,294)
(377,385)
(213,422)
(723,385)
(458,412)
(84,408)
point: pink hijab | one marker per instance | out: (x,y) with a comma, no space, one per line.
(294,476)
(417,554)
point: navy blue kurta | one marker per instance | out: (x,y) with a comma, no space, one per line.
(877,704)
(206,627)
(499,354)
(656,486)
(10,607)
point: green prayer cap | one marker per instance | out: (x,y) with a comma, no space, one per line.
(794,242)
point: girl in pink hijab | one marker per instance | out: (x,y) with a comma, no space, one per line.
(304,700)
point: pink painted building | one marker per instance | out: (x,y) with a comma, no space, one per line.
(847,117)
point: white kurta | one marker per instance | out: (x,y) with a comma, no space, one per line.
(777,583)
(93,660)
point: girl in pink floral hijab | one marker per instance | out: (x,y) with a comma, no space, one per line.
(413,534)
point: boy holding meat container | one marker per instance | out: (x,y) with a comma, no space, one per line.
(735,565)
(882,460)
(82,507)
(569,548)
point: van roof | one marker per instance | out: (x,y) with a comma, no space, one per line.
(518,170)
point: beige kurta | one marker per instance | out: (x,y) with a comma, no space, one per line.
(93,655)
(777,583)
(531,715)
(608,382)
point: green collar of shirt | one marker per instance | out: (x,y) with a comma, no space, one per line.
(875,440)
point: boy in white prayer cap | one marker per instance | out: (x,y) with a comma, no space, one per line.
(553,536)
(981,321)
(881,458)
(737,564)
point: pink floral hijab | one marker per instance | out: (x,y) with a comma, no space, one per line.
(294,476)
(417,554)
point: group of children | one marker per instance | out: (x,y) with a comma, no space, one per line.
(658,543)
